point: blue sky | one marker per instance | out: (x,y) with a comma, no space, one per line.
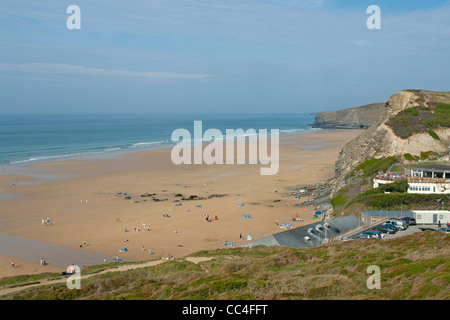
(214,56)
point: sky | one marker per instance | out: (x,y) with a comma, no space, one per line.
(217,56)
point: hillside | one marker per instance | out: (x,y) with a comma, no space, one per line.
(412,267)
(384,140)
(354,118)
(413,127)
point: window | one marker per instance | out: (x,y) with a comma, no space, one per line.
(441,216)
(419,216)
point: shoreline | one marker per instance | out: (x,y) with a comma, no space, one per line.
(126,148)
(85,204)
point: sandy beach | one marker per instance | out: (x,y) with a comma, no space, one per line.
(97,205)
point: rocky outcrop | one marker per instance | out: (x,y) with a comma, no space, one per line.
(380,141)
(354,118)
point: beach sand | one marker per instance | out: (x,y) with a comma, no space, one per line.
(81,199)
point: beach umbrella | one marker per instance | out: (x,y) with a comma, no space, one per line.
(318,212)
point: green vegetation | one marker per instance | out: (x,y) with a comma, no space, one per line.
(373,166)
(338,200)
(433,134)
(432,155)
(412,112)
(421,119)
(408,157)
(413,267)
(400,186)
(397,201)
(27,279)
(424,155)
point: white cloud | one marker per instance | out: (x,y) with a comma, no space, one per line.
(60,68)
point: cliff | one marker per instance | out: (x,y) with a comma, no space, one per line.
(413,121)
(354,118)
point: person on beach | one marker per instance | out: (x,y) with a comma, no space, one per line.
(12,264)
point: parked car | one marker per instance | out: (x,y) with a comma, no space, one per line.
(370,234)
(350,238)
(364,235)
(444,230)
(398,223)
(375,233)
(385,229)
(391,226)
(411,221)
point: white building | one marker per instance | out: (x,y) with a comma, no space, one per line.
(430,179)
(429,185)
(431,171)
(431,216)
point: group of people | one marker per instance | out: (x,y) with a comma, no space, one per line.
(47,221)
(209,220)
(439,224)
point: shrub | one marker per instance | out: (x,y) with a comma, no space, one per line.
(420,119)
(433,134)
(412,111)
(338,200)
(373,165)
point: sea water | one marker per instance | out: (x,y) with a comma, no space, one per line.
(39,138)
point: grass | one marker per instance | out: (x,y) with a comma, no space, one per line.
(433,134)
(398,201)
(373,166)
(412,267)
(401,167)
(420,119)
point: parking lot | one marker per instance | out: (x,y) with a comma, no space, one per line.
(407,232)
(400,233)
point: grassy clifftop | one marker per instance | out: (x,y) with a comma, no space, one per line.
(421,119)
(412,267)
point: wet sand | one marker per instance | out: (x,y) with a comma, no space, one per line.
(85,201)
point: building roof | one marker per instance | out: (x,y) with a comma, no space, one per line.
(310,235)
(392,214)
(434,167)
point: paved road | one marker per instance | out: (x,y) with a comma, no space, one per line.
(410,230)
(33,250)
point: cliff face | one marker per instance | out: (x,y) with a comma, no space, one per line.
(380,141)
(354,118)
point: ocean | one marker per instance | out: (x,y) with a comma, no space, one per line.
(40,138)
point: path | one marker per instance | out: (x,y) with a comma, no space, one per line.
(6,291)
(56,255)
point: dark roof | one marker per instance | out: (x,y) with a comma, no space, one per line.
(434,167)
(316,233)
(382,213)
